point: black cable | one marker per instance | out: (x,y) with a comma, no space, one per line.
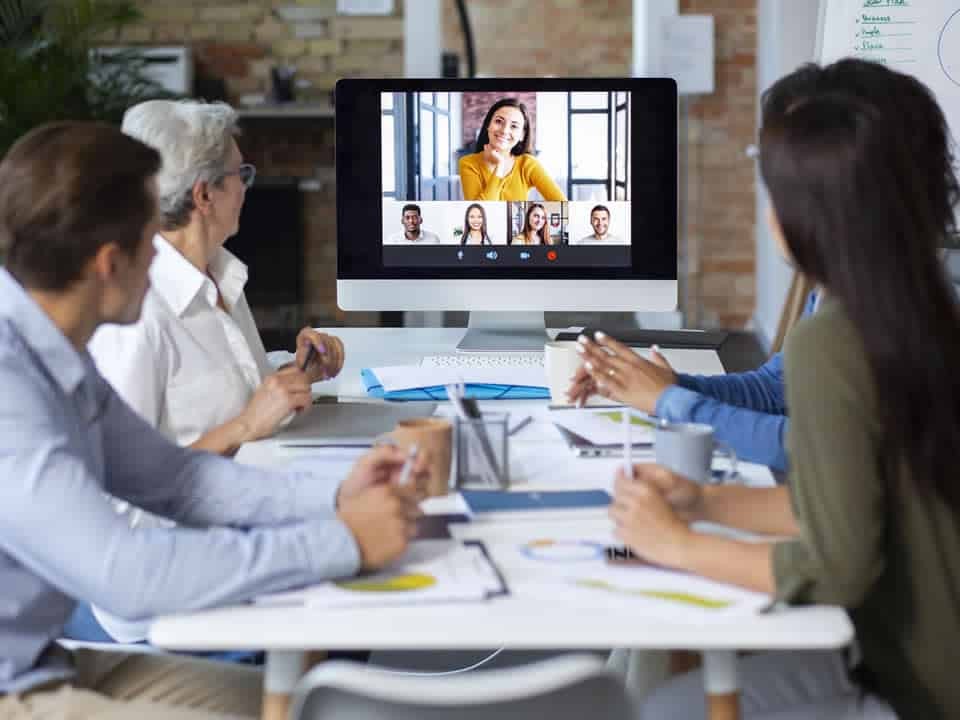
(468,38)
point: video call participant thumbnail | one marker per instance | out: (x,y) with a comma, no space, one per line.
(501,166)
(534,227)
(600,222)
(412,234)
(475,226)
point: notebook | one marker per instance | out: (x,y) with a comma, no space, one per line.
(481,501)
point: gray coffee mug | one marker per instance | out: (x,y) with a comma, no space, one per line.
(688,449)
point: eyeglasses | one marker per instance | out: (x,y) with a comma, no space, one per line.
(247,173)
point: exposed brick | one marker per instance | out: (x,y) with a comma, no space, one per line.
(330,46)
(363,27)
(289,48)
(247,12)
(158,13)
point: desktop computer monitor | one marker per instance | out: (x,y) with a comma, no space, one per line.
(507,198)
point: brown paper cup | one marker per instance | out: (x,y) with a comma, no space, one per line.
(435,436)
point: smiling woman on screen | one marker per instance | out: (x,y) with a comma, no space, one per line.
(501,166)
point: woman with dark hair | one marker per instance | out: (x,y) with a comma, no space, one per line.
(534,227)
(501,166)
(870,518)
(475,226)
(748,410)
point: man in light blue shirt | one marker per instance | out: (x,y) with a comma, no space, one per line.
(77,230)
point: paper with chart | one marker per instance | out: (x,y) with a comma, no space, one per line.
(566,564)
(603,427)
(917,37)
(431,571)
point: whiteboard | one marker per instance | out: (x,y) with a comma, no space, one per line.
(917,37)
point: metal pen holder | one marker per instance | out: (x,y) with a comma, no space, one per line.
(482,452)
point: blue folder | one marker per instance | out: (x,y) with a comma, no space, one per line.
(479,391)
(480,501)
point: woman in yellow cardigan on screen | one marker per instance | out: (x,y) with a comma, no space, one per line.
(501,166)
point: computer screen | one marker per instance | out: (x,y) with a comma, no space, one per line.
(507,194)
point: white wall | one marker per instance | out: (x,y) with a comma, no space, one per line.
(787,31)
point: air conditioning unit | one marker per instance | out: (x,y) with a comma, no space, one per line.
(171,67)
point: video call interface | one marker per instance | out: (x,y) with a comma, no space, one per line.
(506,179)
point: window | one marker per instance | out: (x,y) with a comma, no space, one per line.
(599,163)
(392,137)
(437,121)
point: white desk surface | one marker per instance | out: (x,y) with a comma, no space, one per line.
(539,459)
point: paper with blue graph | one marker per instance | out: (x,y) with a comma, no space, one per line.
(565,563)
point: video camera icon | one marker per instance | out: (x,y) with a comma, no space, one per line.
(524,255)
(491,255)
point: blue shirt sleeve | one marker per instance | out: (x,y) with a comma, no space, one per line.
(761,389)
(55,520)
(200,488)
(747,410)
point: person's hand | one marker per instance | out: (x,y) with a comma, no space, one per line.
(280,394)
(383,465)
(499,159)
(327,362)
(619,374)
(684,495)
(382,518)
(645,520)
(581,387)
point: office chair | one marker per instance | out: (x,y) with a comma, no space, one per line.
(565,688)
(793,306)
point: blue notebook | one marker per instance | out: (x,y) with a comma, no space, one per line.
(480,501)
(437,392)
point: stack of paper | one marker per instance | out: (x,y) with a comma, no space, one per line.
(604,427)
(432,571)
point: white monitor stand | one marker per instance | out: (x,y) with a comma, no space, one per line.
(504,332)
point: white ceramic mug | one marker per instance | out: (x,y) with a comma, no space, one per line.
(561,362)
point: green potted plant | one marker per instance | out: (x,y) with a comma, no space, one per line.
(49,69)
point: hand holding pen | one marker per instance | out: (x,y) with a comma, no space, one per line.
(319,355)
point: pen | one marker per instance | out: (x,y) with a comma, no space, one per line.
(627,445)
(408,465)
(523,423)
(311,352)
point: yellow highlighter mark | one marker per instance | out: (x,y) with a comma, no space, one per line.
(541,543)
(672,595)
(398,583)
(617,417)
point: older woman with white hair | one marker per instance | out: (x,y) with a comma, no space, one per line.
(194,365)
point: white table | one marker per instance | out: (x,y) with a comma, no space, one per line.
(539,459)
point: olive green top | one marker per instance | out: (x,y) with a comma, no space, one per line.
(871,540)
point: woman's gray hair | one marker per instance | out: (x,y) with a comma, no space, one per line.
(193,137)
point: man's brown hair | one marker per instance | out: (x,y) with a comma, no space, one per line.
(66,190)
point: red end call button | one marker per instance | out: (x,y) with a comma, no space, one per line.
(551,255)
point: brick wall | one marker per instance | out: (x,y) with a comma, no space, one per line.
(721,277)
(239,41)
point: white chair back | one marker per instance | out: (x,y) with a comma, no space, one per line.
(571,687)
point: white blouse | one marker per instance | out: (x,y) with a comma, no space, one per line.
(186,366)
